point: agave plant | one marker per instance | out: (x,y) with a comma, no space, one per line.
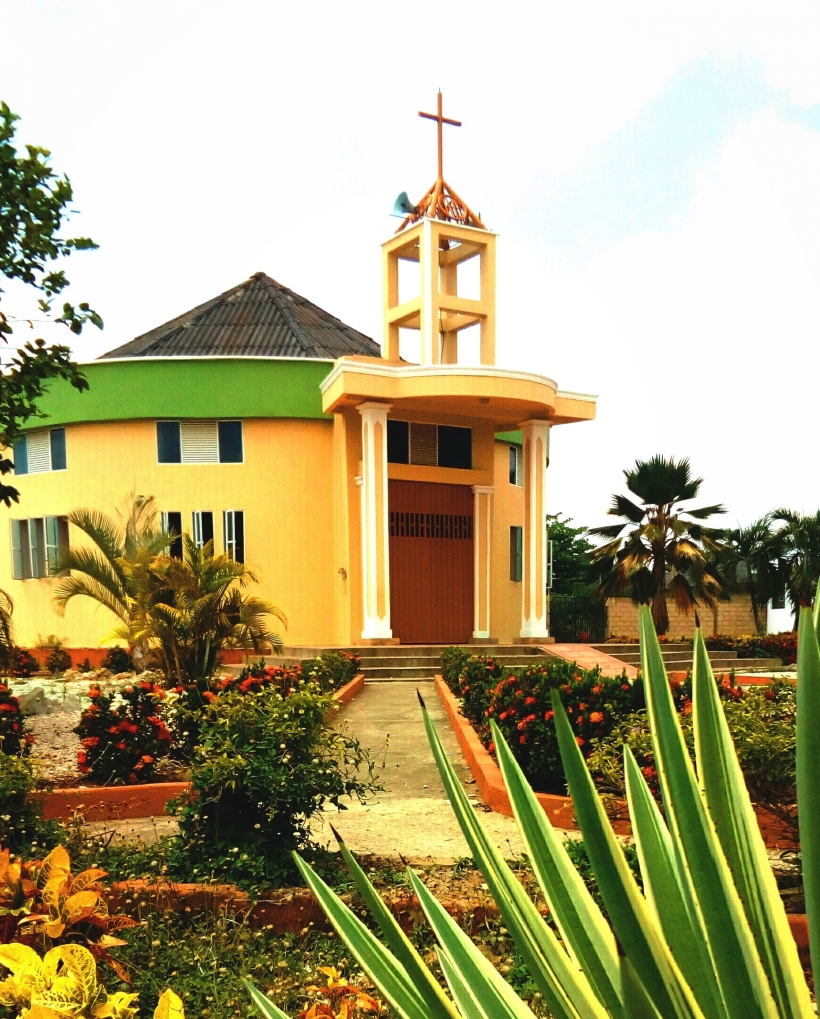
(707,938)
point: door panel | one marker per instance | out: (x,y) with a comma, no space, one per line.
(431,562)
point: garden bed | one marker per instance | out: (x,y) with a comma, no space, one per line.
(776,833)
(294,910)
(104,803)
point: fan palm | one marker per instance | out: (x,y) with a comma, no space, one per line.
(798,546)
(115,567)
(205,611)
(751,559)
(665,550)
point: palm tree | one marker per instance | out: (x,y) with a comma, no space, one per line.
(751,560)
(798,547)
(666,550)
(6,633)
(206,611)
(115,569)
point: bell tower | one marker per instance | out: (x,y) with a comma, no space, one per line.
(441,234)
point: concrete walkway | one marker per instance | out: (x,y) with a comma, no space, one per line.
(587,657)
(412,817)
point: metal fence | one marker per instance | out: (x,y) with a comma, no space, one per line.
(577,620)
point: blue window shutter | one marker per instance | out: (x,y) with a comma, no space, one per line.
(230,442)
(21,456)
(58,457)
(169,444)
(239,535)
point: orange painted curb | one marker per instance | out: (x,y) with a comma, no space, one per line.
(486,772)
(121,802)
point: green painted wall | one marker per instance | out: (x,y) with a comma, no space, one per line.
(177,388)
(516,438)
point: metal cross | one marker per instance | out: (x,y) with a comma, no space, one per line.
(441,121)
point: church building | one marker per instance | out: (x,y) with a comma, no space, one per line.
(378,501)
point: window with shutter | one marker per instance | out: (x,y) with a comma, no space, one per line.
(38,449)
(172,524)
(230,442)
(233,525)
(516,553)
(203,521)
(516,466)
(20,559)
(21,456)
(169,446)
(37,547)
(57,442)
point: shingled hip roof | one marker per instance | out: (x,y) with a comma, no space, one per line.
(258,318)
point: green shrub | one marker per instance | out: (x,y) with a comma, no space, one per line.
(263,767)
(762,722)
(85,665)
(453,661)
(12,739)
(117,659)
(22,663)
(122,734)
(477,679)
(58,661)
(331,670)
(21,816)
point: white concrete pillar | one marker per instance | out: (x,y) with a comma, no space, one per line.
(534,621)
(482,556)
(375,523)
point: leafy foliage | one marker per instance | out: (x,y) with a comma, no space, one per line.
(571,556)
(13,740)
(21,820)
(769,645)
(117,660)
(123,734)
(265,764)
(706,936)
(34,203)
(58,661)
(22,663)
(666,550)
(331,670)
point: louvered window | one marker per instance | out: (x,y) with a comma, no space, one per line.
(40,451)
(199,442)
(516,466)
(426,445)
(37,545)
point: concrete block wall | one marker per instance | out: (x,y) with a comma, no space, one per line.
(733,617)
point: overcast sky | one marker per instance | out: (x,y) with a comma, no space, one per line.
(653,171)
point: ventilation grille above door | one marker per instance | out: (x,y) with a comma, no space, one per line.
(423,444)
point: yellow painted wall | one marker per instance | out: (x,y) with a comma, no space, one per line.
(283,487)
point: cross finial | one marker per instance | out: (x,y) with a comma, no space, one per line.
(441,121)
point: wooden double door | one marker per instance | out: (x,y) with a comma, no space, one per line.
(431,562)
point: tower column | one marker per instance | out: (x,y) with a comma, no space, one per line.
(482,557)
(534,622)
(375,523)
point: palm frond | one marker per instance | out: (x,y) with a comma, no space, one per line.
(706,511)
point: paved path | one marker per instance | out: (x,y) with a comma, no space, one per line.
(412,817)
(587,658)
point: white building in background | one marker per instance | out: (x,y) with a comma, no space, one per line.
(779,615)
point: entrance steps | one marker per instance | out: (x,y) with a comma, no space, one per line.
(409,661)
(678,658)
(396,662)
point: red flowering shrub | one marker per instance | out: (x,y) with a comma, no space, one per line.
(123,734)
(12,739)
(521,705)
(768,645)
(22,663)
